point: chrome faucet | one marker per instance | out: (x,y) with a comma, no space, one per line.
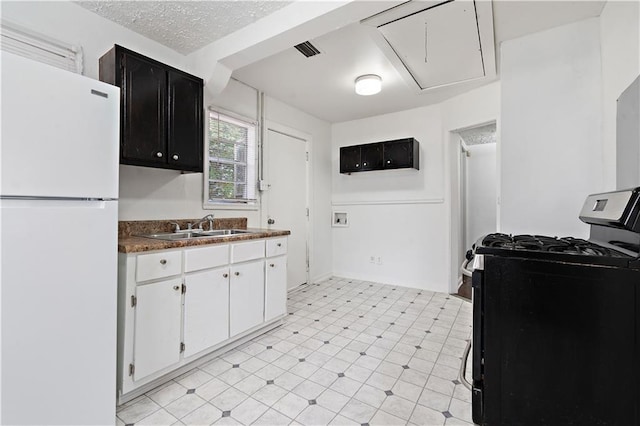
(198,224)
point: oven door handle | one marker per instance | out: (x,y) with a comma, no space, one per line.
(463,367)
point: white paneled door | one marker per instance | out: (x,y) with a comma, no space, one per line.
(286,198)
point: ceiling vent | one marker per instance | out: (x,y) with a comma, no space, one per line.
(307,49)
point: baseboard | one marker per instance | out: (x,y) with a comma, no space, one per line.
(322,277)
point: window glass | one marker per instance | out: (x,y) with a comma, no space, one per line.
(231,163)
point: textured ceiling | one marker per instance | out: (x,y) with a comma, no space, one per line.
(184,26)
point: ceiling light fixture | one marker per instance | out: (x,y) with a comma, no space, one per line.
(368,84)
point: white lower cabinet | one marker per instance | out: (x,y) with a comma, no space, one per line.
(275,303)
(206,310)
(178,306)
(157,327)
(246,296)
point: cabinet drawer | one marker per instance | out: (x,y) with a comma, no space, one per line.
(276,246)
(206,257)
(247,251)
(158,265)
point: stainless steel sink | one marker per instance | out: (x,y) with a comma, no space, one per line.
(220,232)
(188,235)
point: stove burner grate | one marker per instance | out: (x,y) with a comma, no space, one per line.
(568,245)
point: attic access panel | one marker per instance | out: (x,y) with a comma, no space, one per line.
(437,46)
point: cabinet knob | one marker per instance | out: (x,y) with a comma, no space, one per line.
(159,154)
(272,265)
(236,273)
(358,165)
(225,275)
(388,161)
(176,287)
(364,164)
(163,261)
(279,244)
(175,156)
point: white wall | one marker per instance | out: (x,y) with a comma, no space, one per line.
(404,216)
(70,23)
(480,106)
(481,188)
(551,129)
(620,49)
(397,215)
(147,193)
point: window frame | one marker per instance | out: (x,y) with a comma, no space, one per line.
(231,204)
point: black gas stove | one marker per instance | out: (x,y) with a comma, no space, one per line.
(567,249)
(556,322)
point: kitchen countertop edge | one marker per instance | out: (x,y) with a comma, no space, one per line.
(136,244)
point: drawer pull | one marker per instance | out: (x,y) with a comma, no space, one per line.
(163,261)
(236,273)
(279,244)
(225,275)
(272,265)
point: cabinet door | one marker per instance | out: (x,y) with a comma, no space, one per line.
(143,111)
(206,310)
(371,156)
(349,159)
(185,122)
(246,300)
(275,292)
(157,327)
(402,153)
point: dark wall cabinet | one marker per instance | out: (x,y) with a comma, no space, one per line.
(161,111)
(395,154)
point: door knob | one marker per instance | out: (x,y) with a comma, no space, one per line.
(270,221)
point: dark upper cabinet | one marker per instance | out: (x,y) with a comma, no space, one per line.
(395,154)
(371,155)
(161,122)
(401,154)
(350,159)
(185,121)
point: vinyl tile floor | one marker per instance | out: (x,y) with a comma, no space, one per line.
(349,353)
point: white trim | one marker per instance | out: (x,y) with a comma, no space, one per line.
(388,202)
(321,277)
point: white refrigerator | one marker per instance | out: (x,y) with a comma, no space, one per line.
(58,245)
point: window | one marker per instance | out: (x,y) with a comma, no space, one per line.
(39,47)
(230,166)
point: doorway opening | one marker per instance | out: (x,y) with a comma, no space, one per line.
(474,196)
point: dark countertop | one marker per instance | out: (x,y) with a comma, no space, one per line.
(129,240)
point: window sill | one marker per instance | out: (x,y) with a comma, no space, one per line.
(227,206)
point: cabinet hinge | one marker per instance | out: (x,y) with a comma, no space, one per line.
(307,211)
(134,301)
(184,288)
(182,347)
(307,153)
(132,369)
